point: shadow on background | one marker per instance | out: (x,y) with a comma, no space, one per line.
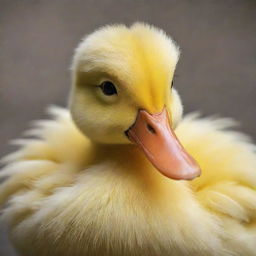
(216,73)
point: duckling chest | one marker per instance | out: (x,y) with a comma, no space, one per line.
(103,214)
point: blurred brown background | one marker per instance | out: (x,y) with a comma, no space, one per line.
(216,73)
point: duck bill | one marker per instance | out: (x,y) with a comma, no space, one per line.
(153,134)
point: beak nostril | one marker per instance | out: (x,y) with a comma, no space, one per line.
(151,129)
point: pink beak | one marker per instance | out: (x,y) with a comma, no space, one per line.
(155,137)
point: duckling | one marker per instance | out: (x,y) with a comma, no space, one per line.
(122,172)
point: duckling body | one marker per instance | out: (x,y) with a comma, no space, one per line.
(68,194)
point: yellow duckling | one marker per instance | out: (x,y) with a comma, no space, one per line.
(110,176)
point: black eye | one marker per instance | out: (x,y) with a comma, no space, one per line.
(172,83)
(108,88)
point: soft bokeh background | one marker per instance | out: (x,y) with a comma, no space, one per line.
(216,73)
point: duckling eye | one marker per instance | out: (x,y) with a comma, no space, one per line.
(108,88)
(172,83)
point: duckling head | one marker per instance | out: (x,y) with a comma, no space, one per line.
(122,93)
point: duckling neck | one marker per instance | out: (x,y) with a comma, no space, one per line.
(130,170)
(129,161)
(118,153)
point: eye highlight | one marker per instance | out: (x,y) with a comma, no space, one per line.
(108,88)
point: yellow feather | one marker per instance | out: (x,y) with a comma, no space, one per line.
(68,194)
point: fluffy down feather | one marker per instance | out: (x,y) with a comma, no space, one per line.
(61,200)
